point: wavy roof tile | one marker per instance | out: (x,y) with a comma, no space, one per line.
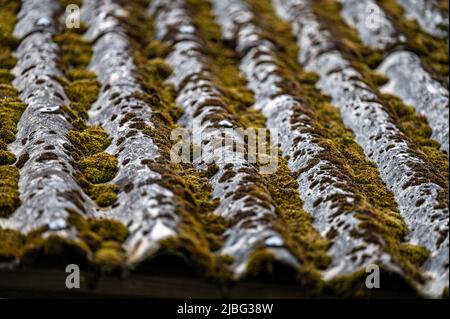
(92,117)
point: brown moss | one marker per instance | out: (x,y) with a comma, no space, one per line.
(198,232)
(104,237)
(413,125)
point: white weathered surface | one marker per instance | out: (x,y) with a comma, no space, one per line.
(415,86)
(252,219)
(47,186)
(408,79)
(428,15)
(403,171)
(144,206)
(322,184)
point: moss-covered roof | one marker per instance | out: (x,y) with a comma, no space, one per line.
(88,174)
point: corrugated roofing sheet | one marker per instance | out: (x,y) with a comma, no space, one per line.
(356,173)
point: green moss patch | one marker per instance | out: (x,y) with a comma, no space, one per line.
(98,168)
(375,204)
(200,230)
(11,109)
(416,255)
(83,92)
(9,194)
(88,142)
(413,125)
(104,237)
(225,72)
(99,244)
(296,227)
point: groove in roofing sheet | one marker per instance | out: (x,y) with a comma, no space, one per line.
(47,186)
(147,208)
(414,182)
(322,184)
(414,85)
(429,16)
(254,217)
(408,79)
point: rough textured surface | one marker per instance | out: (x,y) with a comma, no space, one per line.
(47,186)
(91,112)
(415,86)
(404,172)
(322,186)
(408,79)
(254,217)
(374,28)
(427,13)
(148,209)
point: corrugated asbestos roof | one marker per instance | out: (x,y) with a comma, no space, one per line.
(357,91)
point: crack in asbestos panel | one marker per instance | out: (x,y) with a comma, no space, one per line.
(145,207)
(414,182)
(408,79)
(430,17)
(253,217)
(320,185)
(47,186)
